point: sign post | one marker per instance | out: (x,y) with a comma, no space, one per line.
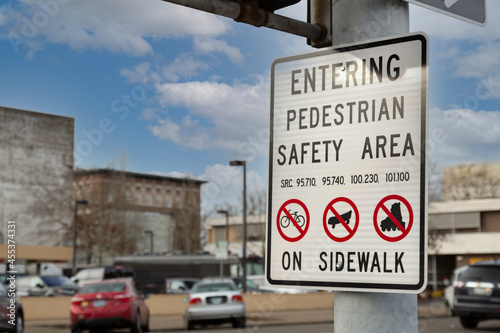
(221,249)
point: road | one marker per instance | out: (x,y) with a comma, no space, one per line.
(432,325)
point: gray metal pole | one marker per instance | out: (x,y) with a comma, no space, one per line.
(248,12)
(358,21)
(361,20)
(244,284)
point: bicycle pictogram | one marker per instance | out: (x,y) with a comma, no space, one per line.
(285,220)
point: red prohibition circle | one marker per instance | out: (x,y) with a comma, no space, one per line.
(329,208)
(381,205)
(302,232)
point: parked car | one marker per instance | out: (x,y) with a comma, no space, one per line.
(179,285)
(11,311)
(108,304)
(449,290)
(35,285)
(215,301)
(477,294)
(252,287)
(95,274)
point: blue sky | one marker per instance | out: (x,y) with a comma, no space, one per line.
(156,87)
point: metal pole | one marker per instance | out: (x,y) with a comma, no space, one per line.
(244,254)
(244,285)
(250,13)
(357,21)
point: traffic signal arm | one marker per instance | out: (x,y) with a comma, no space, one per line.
(251,12)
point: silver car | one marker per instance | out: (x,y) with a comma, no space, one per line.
(215,301)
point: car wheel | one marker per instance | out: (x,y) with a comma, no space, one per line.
(189,325)
(145,328)
(239,322)
(136,326)
(19,327)
(76,329)
(469,322)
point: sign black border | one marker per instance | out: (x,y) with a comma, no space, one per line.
(366,287)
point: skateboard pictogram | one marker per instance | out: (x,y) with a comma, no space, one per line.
(338,227)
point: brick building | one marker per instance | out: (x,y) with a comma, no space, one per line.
(128,212)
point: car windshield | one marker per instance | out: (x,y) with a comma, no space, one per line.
(52,281)
(102,287)
(482,273)
(250,284)
(190,283)
(207,287)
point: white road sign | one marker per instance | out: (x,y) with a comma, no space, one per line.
(472,11)
(347,168)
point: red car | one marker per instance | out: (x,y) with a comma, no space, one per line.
(108,304)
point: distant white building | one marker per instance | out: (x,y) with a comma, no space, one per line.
(462,233)
(216,231)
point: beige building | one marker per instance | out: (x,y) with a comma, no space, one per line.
(461,233)
(216,230)
(128,213)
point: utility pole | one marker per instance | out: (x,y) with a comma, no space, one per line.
(358,21)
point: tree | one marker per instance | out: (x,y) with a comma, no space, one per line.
(52,205)
(472,181)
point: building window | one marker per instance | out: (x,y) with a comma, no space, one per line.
(147,198)
(178,199)
(137,199)
(158,198)
(128,195)
(168,199)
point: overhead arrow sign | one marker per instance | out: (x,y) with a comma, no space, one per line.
(472,11)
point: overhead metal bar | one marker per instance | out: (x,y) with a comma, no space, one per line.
(248,11)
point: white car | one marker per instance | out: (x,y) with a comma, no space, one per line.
(215,301)
(449,290)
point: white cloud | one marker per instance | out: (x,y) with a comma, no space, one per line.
(224,185)
(188,133)
(119,26)
(221,116)
(211,45)
(137,74)
(461,136)
(184,66)
(482,64)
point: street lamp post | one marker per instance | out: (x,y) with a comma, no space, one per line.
(75,228)
(244,259)
(152,244)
